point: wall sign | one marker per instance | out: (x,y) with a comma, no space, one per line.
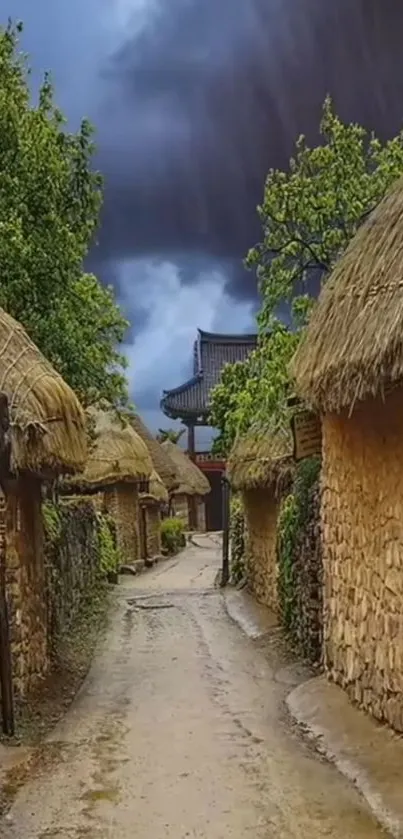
(307,433)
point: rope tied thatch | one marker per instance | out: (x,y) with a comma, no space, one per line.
(47,422)
(353,346)
(191,480)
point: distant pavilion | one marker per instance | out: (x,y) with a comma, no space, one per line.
(190,403)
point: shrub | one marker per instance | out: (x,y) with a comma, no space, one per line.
(110,559)
(172,535)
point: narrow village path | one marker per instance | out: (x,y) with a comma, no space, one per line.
(180,731)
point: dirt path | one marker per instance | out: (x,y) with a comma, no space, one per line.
(180,731)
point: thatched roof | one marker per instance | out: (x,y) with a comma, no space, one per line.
(161,462)
(353,346)
(48,431)
(117,455)
(261,460)
(191,479)
(157,491)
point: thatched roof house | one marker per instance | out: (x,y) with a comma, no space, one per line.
(117,455)
(259,460)
(260,467)
(117,465)
(47,436)
(354,344)
(350,367)
(48,433)
(163,465)
(190,477)
(188,497)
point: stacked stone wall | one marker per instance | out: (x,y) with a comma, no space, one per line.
(122,504)
(261,510)
(362,531)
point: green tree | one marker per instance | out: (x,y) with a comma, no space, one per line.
(309,214)
(50,199)
(170,434)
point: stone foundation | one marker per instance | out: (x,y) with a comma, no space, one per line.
(261,510)
(362,529)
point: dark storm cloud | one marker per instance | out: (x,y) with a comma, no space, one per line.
(200,103)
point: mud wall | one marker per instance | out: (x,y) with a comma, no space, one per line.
(261,510)
(362,527)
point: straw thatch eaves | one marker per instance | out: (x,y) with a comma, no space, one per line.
(261,460)
(118,454)
(47,422)
(162,463)
(157,491)
(353,347)
(191,478)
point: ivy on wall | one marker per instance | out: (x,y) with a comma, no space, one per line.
(294,525)
(237,539)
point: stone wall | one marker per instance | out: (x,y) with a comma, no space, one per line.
(362,531)
(73,561)
(153,522)
(122,503)
(261,510)
(26,583)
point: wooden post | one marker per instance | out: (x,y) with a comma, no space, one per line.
(225,572)
(6,677)
(191,442)
(192,506)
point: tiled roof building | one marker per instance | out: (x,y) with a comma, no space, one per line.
(190,401)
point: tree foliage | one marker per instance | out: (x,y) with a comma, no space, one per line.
(50,199)
(309,214)
(170,434)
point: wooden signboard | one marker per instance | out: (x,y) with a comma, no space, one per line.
(307,434)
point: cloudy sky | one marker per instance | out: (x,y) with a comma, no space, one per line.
(193,101)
